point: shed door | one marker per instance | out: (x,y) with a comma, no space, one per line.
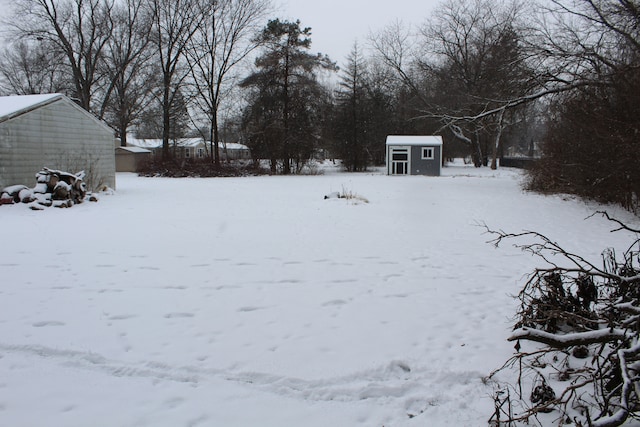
(399,161)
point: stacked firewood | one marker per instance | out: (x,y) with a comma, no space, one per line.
(54,188)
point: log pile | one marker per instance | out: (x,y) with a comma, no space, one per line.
(53,188)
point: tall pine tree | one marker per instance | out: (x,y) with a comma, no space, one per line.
(351,115)
(286,89)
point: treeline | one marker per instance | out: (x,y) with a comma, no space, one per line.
(557,80)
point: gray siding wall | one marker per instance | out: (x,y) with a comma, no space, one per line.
(425,167)
(57,136)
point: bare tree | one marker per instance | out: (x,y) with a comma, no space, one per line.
(223,40)
(78,29)
(31,67)
(587,40)
(481,64)
(592,49)
(464,62)
(175,23)
(395,48)
(128,67)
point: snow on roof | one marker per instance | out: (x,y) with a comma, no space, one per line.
(157,143)
(233,146)
(144,143)
(182,142)
(414,140)
(134,149)
(190,142)
(15,104)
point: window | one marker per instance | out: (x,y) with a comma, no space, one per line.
(427,153)
(187,153)
(200,153)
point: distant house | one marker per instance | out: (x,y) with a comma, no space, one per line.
(414,155)
(192,148)
(234,151)
(52,131)
(181,148)
(129,159)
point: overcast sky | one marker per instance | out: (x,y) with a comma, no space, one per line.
(336,24)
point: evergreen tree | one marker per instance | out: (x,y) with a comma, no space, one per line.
(351,114)
(286,90)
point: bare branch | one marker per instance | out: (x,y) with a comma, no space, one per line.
(568,340)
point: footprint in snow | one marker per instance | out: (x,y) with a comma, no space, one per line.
(121,316)
(177,315)
(334,302)
(48,323)
(250,308)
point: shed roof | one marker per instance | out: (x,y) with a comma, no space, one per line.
(181,142)
(18,104)
(190,142)
(414,140)
(152,143)
(149,143)
(233,146)
(133,149)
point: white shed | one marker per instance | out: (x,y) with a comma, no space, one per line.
(52,131)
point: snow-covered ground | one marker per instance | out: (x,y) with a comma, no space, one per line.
(256,302)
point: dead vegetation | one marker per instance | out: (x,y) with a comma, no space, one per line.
(576,338)
(348,195)
(200,169)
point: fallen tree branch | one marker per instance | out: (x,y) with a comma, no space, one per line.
(568,340)
(584,319)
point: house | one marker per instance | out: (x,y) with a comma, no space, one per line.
(234,151)
(414,155)
(129,159)
(192,148)
(52,131)
(187,148)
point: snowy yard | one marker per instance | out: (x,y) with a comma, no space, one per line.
(255,302)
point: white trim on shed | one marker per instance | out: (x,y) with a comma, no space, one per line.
(426,140)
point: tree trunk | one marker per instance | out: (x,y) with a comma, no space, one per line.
(216,139)
(497,141)
(166,120)
(123,132)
